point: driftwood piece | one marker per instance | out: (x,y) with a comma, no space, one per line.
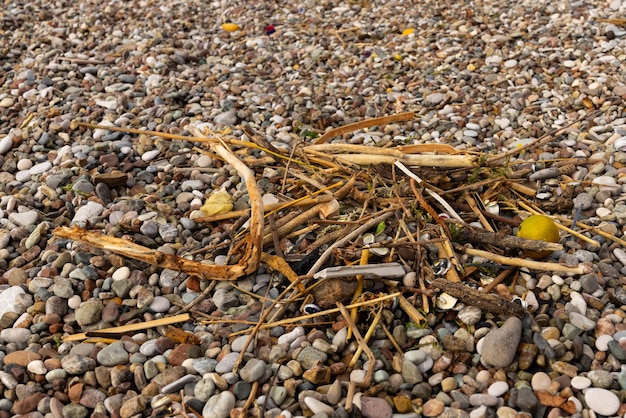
(485,301)
(531,264)
(150,256)
(115,331)
(478,236)
(422,160)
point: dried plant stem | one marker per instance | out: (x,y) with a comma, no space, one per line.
(322,313)
(294,223)
(359,287)
(272,207)
(366,338)
(362,344)
(261,321)
(132,327)
(392,339)
(369,224)
(410,310)
(474,206)
(367,123)
(487,301)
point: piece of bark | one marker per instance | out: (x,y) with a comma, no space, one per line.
(479,236)
(485,301)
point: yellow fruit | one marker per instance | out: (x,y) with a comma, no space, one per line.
(538,227)
(230,27)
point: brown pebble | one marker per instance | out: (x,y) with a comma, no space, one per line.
(318,374)
(402,404)
(183,352)
(433,408)
(337,368)
(28,404)
(75,392)
(21,358)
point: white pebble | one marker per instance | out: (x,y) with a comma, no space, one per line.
(150,155)
(6,144)
(37,367)
(40,168)
(498,388)
(580,382)
(26,218)
(602,342)
(74,302)
(24,164)
(602,401)
(121,273)
(290,337)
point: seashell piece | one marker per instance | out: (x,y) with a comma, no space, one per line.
(469,315)
(445,301)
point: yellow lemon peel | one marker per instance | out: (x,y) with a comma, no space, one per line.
(219,202)
(538,227)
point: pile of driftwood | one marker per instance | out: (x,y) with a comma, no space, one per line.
(361,228)
(367,214)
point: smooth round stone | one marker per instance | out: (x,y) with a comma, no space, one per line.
(6,143)
(77,364)
(580,382)
(40,168)
(160,304)
(25,218)
(227,363)
(498,388)
(239,343)
(113,354)
(15,335)
(122,273)
(416,356)
(478,399)
(500,345)
(149,348)
(602,401)
(581,321)
(540,381)
(178,384)
(381,376)
(318,407)
(602,342)
(253,370)
(37,367)
(600,378)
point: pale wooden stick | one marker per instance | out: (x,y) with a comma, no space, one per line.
(426,160)
(531,264)
(132,327)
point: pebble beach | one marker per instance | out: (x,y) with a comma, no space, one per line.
(484,77)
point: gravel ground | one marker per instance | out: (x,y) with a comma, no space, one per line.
(486,76)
